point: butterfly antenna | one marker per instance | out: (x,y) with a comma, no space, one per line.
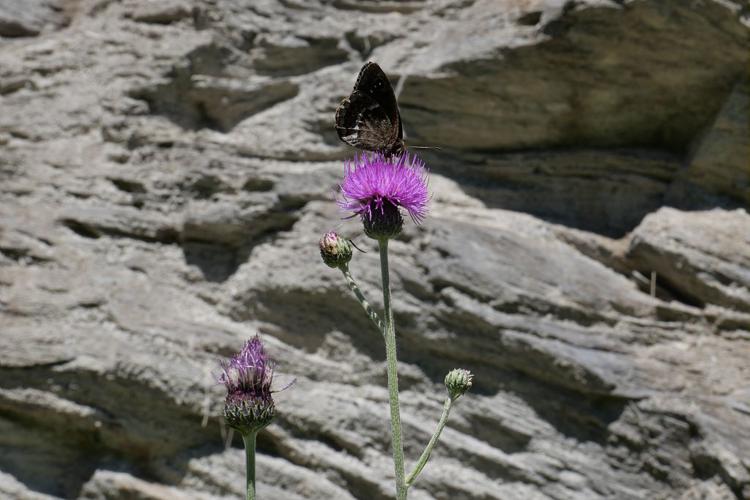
(426,147)
(355,245)
(400,85)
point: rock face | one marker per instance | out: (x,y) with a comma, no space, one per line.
(719,161)
(168,167)
(29,18)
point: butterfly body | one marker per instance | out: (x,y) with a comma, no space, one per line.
(369,118)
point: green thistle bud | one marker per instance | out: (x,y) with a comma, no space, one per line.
(457,382)
(335,250)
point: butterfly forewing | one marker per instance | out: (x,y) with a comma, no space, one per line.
(373,81)
(369,118)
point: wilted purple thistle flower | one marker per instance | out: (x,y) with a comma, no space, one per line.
(248,376)
(375,186)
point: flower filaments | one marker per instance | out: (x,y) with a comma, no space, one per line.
(377,187)
(248,376)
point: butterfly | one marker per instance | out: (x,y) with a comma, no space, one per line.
(369,119)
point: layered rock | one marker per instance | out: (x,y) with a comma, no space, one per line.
(168,169)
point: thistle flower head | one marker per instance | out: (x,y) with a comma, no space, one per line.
(335,250)
(376,187)
(457,382)
(248,376)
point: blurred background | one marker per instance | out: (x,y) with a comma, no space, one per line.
(167,168)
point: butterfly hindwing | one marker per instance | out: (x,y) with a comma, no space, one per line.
(369,118)
(362,122)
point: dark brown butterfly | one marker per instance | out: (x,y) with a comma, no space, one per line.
(369,119)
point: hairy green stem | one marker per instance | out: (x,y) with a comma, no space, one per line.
(390,354)
(249,440)
(361,299)
(433,441)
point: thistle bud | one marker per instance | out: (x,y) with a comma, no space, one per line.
(457,382)
(249,406)
(335,250)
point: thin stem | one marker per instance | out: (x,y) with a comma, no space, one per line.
(390,354)
(249,440)
(361,299)
(433,441)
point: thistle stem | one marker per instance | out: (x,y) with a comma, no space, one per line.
(361,299)
(433,441)
(249,440)
(390,353)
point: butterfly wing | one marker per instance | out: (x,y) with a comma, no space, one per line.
(361,122)
(369,118)
(373,81)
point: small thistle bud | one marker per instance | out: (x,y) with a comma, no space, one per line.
(335,250)
(249,406)
(383,222)
(457,382)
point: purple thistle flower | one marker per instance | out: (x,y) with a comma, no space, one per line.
(250,371)
(375,185)
(248,376)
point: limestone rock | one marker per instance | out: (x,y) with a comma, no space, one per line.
(30,17)
(720,163)
(703,256)
(161,12)
(167,169)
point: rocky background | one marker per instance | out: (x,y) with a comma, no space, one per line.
(167,168)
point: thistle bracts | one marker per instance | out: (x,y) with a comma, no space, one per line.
(248,415)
